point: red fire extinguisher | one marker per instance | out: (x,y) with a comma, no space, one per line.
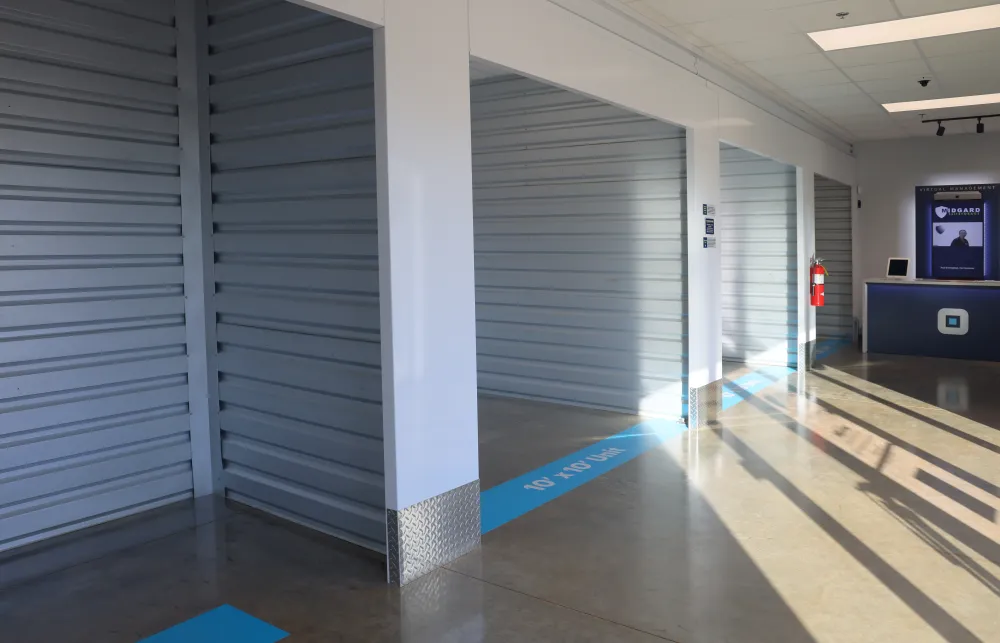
(817,283)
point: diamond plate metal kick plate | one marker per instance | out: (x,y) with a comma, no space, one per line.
(704,404)
(431,533)
(807,356)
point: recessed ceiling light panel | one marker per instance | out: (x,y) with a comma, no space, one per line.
(939,24)
(943,103)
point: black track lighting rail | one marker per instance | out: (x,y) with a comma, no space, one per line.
(961,118)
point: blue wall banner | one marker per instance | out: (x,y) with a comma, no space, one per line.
(957,228)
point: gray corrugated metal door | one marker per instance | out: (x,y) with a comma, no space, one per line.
(93,384)
(833,245)
(296,242)
(579,249)
(759,292)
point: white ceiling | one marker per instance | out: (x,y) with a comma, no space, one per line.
(764,43)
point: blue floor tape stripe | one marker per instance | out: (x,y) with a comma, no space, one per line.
(516,497)
(224,624)
(827,347)
(736,391)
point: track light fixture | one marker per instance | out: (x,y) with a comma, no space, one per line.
(980,126)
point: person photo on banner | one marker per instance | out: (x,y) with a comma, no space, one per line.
(960,241)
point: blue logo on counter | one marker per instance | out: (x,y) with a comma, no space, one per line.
(953,321)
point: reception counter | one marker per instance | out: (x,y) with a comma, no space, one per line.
(956,319)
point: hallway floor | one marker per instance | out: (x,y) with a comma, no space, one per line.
(847,507)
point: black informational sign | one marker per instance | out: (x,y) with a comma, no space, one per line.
(709,226)
(957,231)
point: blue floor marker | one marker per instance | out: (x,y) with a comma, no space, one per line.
(516,497)
(224,624)
(735,392)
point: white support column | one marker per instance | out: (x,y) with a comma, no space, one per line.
(199,258)
(805,226)
(704,275)
(427,285)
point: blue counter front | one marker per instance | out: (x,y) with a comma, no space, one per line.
(956,319)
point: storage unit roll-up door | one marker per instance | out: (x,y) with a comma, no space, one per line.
(296,242)
(579,249)
(93,368)
(759,292)
(833,245)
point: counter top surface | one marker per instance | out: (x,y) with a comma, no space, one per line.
(934,282)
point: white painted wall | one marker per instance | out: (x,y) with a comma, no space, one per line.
(888,172)
(539,39)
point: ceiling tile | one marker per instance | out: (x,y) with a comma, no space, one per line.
(972,62)
(900,96)
(971,84)
(836,113)
(823,15)
(877,133)
(809,79)
(764,43)
(688,11)
(914,69)
(917,128)
(969,81)
(851,122)
(683,12)
(868,122)
(825,91)
(911,8)
(791,64)
(764,48)
(848,104)
(890,84)
(719,32)
(961,43)
(890,53)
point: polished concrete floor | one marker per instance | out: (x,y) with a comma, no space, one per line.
(859,503)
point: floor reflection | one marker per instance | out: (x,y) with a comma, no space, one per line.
(949,512)
(967,388)
(850,504)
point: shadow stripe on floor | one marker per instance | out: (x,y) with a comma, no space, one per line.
(516,497)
